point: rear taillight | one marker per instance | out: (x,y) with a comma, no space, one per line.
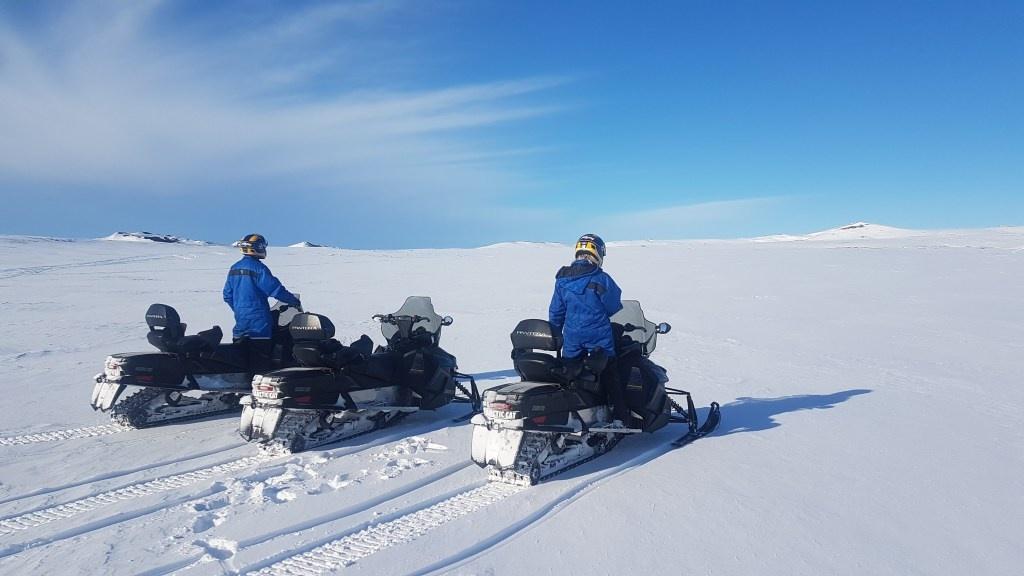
(539,419)
(303,399)
(499,406)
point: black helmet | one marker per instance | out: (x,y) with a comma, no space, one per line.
(593,245)
(253,245)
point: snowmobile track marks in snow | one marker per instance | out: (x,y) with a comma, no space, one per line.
(286,531)
(353,547)
(115,474)
(8,273)
(64,511)
(69,434)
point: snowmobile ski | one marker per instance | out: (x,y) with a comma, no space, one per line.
(714,417)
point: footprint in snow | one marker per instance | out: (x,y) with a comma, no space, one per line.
(218,548)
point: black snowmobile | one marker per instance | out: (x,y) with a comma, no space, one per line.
(343,391)
(190,376)
(558,416)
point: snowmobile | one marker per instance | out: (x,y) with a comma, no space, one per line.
(339,392)
(190,377)
(558,416)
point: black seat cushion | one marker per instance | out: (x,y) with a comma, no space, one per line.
(203,342)
(325,353)
(538,367)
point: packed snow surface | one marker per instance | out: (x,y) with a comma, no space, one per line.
(872,417)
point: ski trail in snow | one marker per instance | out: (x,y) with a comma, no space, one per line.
(106,477)
(114,474)
(64,511)
(25,521)
(69,434)
(553,506)
(363,506)
(353,547)
(6,273)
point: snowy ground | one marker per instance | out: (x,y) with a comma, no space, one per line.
(870,381)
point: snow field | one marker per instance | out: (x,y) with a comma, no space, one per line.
(869,382)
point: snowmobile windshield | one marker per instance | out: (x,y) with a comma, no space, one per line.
(643,330)
(415,306)
(285,317)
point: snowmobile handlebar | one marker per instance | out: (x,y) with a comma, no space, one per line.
(396,318)
(662,328)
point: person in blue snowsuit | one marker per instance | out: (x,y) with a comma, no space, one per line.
(584,300)
(246,290)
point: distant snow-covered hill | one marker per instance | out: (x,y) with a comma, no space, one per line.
(152,237)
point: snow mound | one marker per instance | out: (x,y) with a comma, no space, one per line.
(855,231)
(519,243)
(305,244)
(151,237)
(862,230)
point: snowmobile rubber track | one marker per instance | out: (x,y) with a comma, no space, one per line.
(607,448)
(131,411)
(710,423)
(278,446)
(520,479)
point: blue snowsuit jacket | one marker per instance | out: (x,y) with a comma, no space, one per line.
(246,290)
(585,299)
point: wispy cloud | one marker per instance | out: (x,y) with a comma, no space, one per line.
(687,220)
(125,97)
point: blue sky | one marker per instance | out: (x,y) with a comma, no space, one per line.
(384,124)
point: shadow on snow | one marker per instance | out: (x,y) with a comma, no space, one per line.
(748,414)
(742,415)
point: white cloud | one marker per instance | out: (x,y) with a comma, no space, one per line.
(106,96)
(686,220)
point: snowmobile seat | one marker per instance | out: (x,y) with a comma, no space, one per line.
(584,373)
(538,367)
(315,346)
(203,342)
(378,366)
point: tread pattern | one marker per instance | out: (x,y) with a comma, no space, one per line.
(64,511)
(349,549)
(70,434)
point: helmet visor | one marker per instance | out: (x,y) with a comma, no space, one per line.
(590,246)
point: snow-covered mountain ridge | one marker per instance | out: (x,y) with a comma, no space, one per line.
(151,237)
